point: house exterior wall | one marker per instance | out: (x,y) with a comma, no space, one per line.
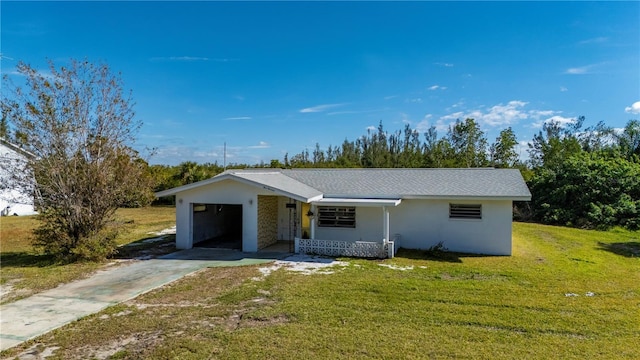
(422,224)
(368,227)
(267,220)
(13,198)
(223,192)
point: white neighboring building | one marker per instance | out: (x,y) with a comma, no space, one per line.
(15,199)
(351,212)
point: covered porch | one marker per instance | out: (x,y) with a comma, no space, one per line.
(348,244)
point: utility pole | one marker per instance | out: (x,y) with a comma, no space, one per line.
(224,161)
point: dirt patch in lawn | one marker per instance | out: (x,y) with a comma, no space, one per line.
(9,292)
(160,243)
(209,302)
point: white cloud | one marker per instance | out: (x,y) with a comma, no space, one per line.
(239,118)
(180,58)
(414,100)
(634,108)
(501,115)
(321,108)
(405,119)
(354,112)
(581,70)
(563,89)
(577,71)
(454,116)
(560,120)
(206,154)
(498,115)
(444,64)
(549,116)
(596,40)
(203,152)
(444,124)
(424,124)
(261,145)
(618,131)
(522,149)
(538,115)
(541,113)
(390,97)
(437,87)
(153,136)
(505,114)
(456,105)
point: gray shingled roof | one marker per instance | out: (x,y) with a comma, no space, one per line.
(382,183)
(403,183)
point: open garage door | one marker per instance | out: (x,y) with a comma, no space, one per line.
(217,226)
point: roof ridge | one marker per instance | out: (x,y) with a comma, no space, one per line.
(393,169)
(261,171)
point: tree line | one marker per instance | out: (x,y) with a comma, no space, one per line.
(583,177)
(464,145)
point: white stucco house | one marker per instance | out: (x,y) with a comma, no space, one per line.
(16,195)
(351,212)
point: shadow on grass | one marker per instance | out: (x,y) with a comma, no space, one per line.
(626,249)
(26,259)
(133,250)
(444,256)
(437,255)
(146,248)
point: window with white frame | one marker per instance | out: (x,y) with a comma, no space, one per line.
(465,211)
(337,217)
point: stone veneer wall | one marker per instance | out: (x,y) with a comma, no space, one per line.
(267,220)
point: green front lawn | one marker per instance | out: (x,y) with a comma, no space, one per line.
(24,272)
(565,293)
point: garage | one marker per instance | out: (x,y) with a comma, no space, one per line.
(217,226)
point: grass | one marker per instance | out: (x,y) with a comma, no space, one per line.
(432,305)
(27,272)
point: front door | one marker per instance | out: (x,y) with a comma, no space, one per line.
(287,224)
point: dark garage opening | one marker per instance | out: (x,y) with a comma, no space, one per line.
(217,226)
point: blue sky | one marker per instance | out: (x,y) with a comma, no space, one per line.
(271,78)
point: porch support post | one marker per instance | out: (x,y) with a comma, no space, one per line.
(385,223)
(313,221)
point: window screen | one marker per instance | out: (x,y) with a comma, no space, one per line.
(465,211)
(341,217)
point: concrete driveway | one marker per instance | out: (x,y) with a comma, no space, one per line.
(33,316)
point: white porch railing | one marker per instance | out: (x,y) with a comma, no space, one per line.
(368,249)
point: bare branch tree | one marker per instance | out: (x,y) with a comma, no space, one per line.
(80,128)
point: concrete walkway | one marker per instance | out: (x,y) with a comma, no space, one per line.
(36,315)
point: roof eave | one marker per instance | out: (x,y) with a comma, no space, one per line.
(291,195)
(175,190)
(361,202)
(469,197)
(240,179)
